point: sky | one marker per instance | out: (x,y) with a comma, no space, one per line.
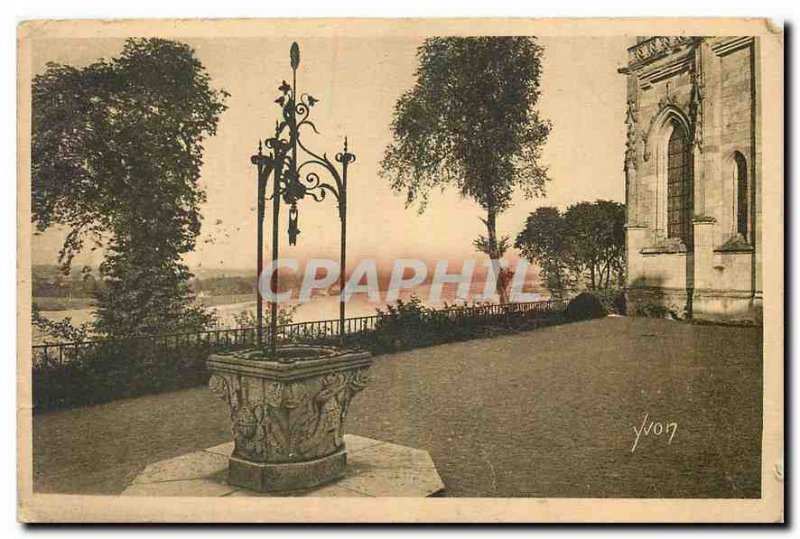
(358,80)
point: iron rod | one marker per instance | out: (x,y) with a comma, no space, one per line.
(276,205)
(343,245)
(260,254)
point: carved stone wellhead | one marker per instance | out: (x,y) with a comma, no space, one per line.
(287,418)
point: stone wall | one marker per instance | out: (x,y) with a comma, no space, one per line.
(709,87)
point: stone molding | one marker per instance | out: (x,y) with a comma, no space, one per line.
(735,244)
(723,293)
(327,359)
(703,220)
(669,109)
(725,46)
(665,249)
(655,47)
(647,53)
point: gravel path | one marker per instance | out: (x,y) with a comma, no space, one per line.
(545,413)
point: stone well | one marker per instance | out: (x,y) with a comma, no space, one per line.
(288,415)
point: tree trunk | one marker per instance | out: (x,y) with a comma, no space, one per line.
(603,276)
(504,275)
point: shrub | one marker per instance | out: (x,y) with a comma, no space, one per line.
(106,370)
(652,309)
(405,325)
(612,299)
(410,324)
(116,369)
(584,306)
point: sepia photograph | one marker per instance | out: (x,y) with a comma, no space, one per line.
(448,270)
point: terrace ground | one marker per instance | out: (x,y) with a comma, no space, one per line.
(550,413)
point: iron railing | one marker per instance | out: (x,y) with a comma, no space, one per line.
(314,331)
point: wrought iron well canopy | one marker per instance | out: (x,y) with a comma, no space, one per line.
(297,172)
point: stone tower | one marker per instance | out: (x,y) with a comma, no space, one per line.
(693,177)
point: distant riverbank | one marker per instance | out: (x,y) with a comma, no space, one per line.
(226,307)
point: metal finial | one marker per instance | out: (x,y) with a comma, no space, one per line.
(259,147)
(345,143)
(294,55)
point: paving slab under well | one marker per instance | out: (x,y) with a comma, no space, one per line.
(374,468)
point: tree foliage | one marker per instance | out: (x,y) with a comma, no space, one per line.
(585,245)
(470,122)
(544,240)
(116,157)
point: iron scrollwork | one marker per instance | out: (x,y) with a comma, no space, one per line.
(297,172)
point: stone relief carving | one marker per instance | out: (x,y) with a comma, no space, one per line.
(666,106)
(656,46)
(667,100)
(694,105)
(697,96)
(630,142)
(291,421)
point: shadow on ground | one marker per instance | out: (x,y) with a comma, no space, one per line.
(547,413)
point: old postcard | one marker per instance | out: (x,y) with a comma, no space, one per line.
(408,270)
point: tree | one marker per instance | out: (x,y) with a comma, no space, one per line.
(470,122)
(116,157)
(584,245)
(596,231)
(544,240)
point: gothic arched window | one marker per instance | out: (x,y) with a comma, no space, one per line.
(679,185)
(742,197)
